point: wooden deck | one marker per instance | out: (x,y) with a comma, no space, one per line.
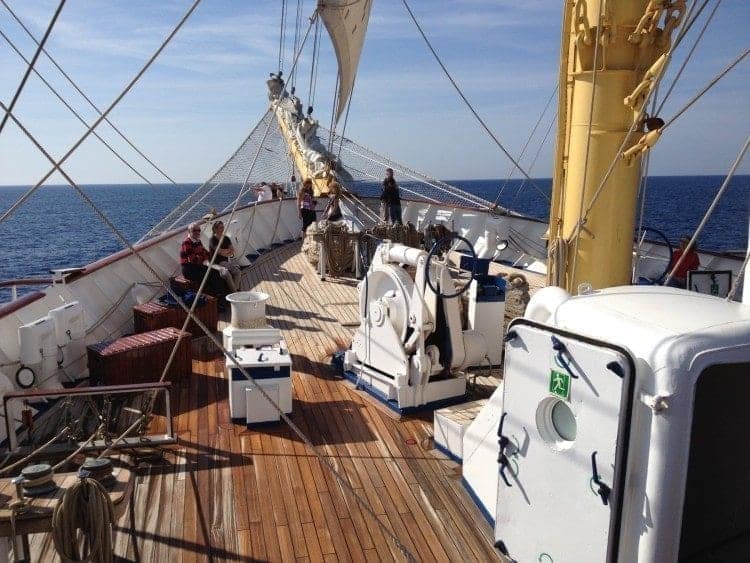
(229,493)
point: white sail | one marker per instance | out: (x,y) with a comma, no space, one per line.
(346,22)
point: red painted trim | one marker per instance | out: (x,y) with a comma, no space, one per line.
(13,306)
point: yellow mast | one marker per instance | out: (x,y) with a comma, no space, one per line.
(611,59)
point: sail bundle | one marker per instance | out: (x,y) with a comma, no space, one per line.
(346,22)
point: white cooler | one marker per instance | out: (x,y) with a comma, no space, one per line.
(271,368)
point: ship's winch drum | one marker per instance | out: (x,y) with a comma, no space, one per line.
(248,309)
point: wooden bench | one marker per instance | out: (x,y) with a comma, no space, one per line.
(153,316)
(140,358)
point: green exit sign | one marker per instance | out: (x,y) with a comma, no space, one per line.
(559,384)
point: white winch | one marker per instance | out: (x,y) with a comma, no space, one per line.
(410,349)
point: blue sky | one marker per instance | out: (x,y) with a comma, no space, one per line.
(201,98)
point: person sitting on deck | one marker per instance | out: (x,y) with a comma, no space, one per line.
(194,262)
(691,262)
(333,209)
(390,200)
(231,272)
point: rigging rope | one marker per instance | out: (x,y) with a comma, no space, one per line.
(533,161)
(58,164)
(74,112)
(637,121)
(465,99)
(711,208)
(297,21)
(588,136)
(525,146)
(687,59)
(282,35)
(708,86)
(30,66)
(85,97)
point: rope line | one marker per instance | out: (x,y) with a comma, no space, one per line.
(588,137)
(687,58)
(87,98)
(711,207)
(525,146)
(708,86)
(533,161)
(465,99)
(636,122)
(74,112)
(30,66)
(56,165)
(85,506)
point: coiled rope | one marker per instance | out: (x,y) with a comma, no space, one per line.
(85,506)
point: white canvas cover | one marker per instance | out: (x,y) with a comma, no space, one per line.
(346,22)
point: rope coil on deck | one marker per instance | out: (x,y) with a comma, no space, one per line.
(85,506)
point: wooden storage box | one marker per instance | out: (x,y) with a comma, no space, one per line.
(153,316)
(140,358)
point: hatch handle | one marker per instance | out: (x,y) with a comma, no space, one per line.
(604,490)
(561,350)
(502,442)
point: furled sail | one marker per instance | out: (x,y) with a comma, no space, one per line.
(346,22)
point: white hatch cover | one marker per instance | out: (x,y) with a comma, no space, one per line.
(563,437)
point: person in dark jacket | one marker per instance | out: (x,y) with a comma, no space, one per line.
(390,199)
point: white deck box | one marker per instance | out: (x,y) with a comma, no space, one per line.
(268,366)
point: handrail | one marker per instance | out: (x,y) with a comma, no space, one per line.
(26,281)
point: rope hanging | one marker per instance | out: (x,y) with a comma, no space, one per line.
(30,66)
(85,506)
(711,207)
(57,164)
(465,99)
(87,98)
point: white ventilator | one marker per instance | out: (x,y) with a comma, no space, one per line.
(38,355)
(70,336)
(410,348)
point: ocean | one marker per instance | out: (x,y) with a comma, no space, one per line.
(55,229)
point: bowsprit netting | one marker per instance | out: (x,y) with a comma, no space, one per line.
(236,177)
(366,168)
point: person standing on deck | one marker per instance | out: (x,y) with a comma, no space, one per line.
(306,204)
(390,199)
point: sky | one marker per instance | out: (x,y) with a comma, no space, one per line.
(201,98)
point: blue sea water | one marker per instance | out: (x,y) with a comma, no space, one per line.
(55,229)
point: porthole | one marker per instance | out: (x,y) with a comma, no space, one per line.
(556,422)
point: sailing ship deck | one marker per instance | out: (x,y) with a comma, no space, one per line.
(226,492)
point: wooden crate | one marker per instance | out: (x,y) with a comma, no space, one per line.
(153,316)
(140,358)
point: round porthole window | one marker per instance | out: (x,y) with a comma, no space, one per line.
(556,422)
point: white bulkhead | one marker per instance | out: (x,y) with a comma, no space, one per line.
(623,428)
